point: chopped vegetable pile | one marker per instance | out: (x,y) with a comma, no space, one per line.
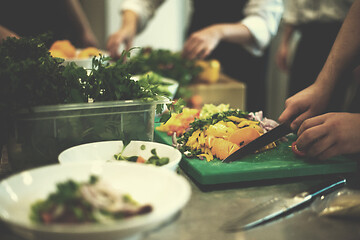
(220,134)
(85,202)
(179,122)
(209,109)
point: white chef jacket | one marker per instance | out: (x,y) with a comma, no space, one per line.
(262,18)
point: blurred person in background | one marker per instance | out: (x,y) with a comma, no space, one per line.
(235,32)
(324,135)
(65,19)
(318,23)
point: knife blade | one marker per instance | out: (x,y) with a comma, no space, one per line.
(265,139)
(300,201)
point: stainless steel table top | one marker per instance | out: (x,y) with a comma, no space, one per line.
(211,207)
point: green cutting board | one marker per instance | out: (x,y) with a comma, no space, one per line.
(279,162)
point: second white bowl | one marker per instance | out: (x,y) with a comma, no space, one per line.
(105,151)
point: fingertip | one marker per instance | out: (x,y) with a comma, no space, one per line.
(184,54)
(281,119)
(205,54)
(201,56)
(127,46)
(284,116)
(295,126)
(191,56)
(108,45)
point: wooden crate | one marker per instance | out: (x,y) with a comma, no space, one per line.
(227,90)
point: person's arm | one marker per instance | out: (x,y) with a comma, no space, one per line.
(254,32)
(343,57)
(4,33)
(262,18)
(282,54)
(292,17)
(144,9)
(87,36)
(201,43)
(135,16)
(125,34)
(330,134)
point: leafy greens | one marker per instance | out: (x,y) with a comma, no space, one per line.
(166,63)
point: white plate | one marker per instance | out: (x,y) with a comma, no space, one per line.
(166,191)
(104,152)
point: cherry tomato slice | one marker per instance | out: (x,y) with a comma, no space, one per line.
(140,159)
(296,151)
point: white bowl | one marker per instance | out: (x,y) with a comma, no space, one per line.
(166,191)
(104,152)
(84,62)
(171,86)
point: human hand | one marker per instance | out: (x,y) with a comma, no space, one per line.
(329,135)
(201,43)
(125,35)
(305,104)
(4,33)
(284,47)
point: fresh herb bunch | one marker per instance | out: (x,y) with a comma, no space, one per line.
(166,63)
(30,76)
(203,123)
(113,82)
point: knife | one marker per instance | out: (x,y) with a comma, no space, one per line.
(265,139)
(299,201)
